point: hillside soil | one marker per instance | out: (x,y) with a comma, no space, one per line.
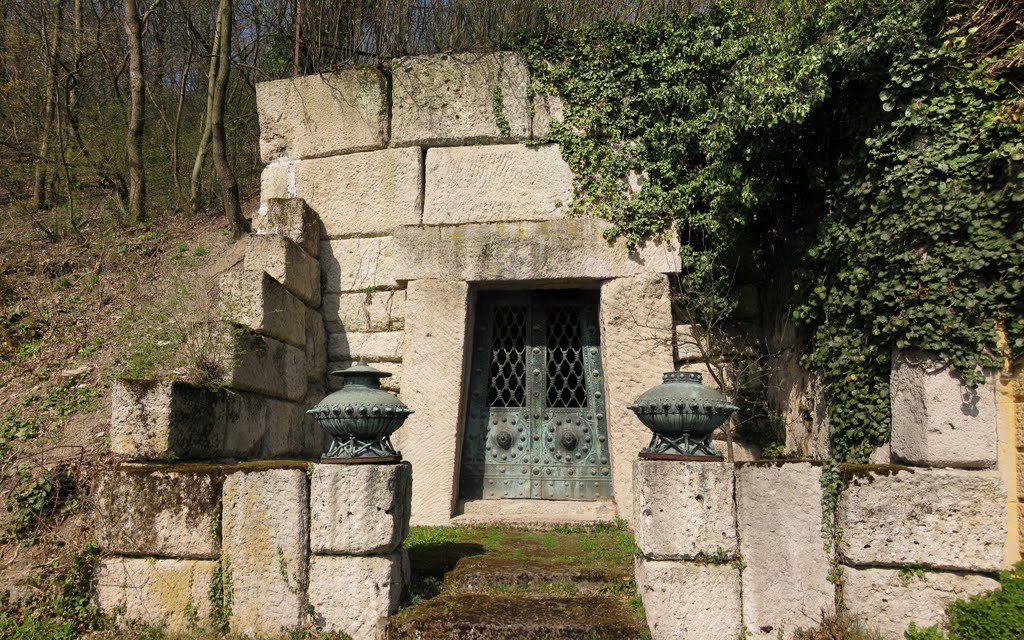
(81,305)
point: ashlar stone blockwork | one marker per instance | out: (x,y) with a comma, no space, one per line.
(359,509)
(323,114)
(265,539)
(450,99)
(785,568)
(943,518)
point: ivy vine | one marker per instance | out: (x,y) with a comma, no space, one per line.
(858,145)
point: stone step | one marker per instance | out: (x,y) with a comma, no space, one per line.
(476,574)
(473,616)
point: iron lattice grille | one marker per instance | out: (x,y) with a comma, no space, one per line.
(507,386)
(567,386)
(535,416)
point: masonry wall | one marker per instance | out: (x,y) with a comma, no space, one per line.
(424,200)
(388,202)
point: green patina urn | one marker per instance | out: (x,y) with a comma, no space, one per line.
(361,417)
(682,413)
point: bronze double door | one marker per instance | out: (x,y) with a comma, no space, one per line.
(536,425)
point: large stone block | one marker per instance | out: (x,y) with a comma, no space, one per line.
(277,181)
(173,421)
(156,420)
(947,519)
(257,301)
(496,184)
(316,346)
(392,383)
(572,248)
(265,537)
(359,509)
(938,421)
(432,383)
(291,218)
(159,513)
(315,439)
(887,602)
(693,342)
(287,263)
(358,264)
(384,346)
(246,420)
(269,367)
(684,510)
(547,110)
(785,569)
(356,594)
(363,193)
(365,311)
(636,349)
(169,593)
(451,99)
(690,600)
(286,430)
(323,114)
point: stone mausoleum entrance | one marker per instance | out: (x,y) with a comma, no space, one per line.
(536,425)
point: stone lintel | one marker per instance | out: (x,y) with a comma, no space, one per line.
(571,248)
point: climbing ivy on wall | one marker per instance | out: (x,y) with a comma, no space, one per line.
(858,139)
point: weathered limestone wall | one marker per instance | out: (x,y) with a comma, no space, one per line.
(1010,407)
(260,547)
(727,546)
(423,199)
(270,348)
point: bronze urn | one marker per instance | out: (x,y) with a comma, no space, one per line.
(360,417)
(682,413)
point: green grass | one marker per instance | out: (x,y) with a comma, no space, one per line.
(603,549)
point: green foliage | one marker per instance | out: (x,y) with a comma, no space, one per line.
(40,499)
(500,118)
(924,250)
(221,594)
(13,429)
(846,137)
(910,570)
(923,633)
(831,488)
(996,615)
(60,606)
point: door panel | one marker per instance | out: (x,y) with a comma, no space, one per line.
(536,424)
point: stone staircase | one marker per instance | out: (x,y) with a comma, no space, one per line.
(513,584)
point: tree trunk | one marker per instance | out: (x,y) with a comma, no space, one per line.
(39,177)
(204,140)
(137,116)
(176,134)
(228,183)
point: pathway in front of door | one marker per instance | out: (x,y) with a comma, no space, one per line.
(501,583)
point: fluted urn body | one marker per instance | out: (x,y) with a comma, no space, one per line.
(682,413)
(360,417)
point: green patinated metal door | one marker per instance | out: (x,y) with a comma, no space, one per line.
(536,426)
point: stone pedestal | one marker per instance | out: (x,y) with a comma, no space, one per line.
(358,569)
(359,509)
(684,510)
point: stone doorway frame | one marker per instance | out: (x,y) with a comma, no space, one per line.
(443,265)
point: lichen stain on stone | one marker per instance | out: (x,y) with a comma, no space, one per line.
(860,474)
(778,463)
(172,590)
